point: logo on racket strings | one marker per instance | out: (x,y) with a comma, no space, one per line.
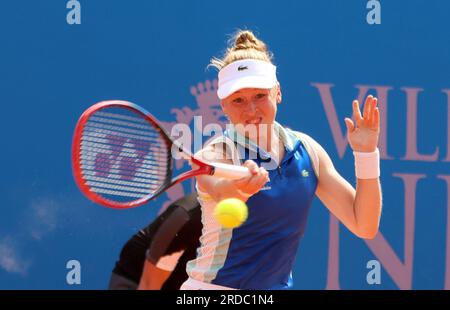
(127,166)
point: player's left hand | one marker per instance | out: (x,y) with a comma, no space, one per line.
(363,133)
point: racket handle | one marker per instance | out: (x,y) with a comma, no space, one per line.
(231,172)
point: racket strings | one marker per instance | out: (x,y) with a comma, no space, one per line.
(122,156)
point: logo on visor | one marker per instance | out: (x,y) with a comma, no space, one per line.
(241,68)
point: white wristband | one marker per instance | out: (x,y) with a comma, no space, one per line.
(367,165)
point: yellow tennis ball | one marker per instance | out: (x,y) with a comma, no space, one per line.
(231,212)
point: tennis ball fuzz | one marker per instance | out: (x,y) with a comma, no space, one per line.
(231,212)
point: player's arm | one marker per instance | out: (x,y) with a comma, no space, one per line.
(165,249)
(153,277)
(359,210)
(221,188)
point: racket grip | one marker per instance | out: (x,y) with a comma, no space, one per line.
(231,172)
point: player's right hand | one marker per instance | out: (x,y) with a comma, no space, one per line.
(252,184)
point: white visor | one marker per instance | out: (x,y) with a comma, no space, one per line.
(247,73)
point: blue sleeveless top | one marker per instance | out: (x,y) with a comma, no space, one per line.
(261,252)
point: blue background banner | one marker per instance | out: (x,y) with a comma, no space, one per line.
(155,53)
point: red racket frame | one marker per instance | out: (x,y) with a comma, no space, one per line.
(76,148)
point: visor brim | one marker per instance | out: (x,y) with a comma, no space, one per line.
(232,86)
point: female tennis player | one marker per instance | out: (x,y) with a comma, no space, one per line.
(260,254)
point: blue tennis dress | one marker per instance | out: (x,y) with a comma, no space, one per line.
(260,254)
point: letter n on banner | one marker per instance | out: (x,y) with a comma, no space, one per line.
(400,272)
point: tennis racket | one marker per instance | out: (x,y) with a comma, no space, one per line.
(122,157)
